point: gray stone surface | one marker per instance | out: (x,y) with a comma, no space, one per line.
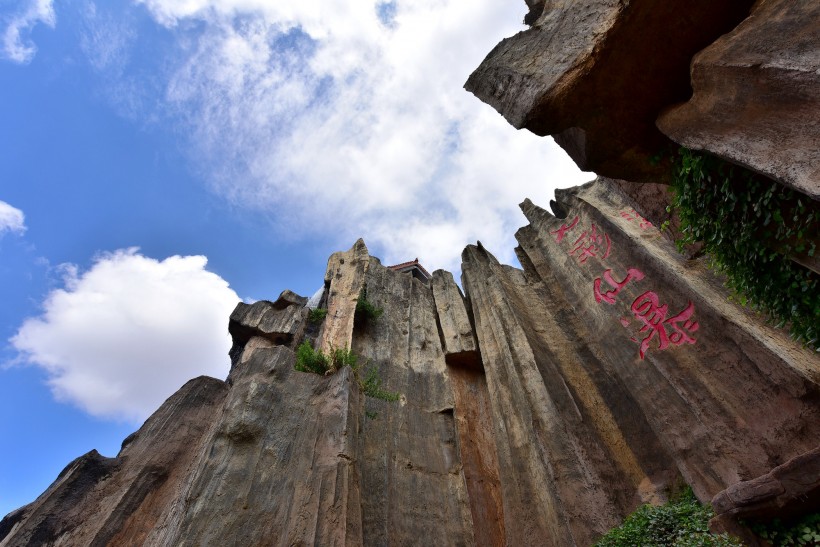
(595,74)
(608,370)
(458,339)
(756,96)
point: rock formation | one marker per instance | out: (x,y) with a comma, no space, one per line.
(599,76)
(542,404)
(539,407)
(757,96)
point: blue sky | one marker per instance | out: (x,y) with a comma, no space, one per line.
(161,160)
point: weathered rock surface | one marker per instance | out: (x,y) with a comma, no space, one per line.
(456,331)
(596,74)
(277,321)
(540,409)
(279,461)
(345,277)
(756,96)
(119,501)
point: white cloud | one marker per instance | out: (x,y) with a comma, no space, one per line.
(343,123)
(120,338)
(11,219)
(17,46)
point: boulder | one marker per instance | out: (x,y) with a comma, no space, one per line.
(756,98)
(596,74)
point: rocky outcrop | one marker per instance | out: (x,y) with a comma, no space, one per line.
(539,409)
(599,76)
(277,321)
(756,96)
(596,74)
(119,501)
(345,279)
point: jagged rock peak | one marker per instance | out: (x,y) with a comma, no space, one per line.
(539,407)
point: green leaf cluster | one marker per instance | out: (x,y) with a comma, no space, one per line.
(365,310)
(749,226)
(372,386)
(317,315)
(682,522)
(318,362)
(805,531)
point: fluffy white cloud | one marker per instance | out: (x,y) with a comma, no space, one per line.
(16,45)
(11,219)
(120,338)
(349,118)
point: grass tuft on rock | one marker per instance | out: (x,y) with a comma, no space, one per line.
(318,362)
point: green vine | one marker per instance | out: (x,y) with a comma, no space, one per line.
(682,522)
(749,226)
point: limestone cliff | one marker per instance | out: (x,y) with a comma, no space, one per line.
(545,402)
(539,407)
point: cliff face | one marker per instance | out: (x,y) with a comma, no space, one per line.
(540,409)
(544,403)
(616,83)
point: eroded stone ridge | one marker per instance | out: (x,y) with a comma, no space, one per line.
(540,407)
(595,74)
(756,96)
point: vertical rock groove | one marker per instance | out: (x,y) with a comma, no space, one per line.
(539,409)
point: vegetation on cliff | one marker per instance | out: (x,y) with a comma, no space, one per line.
(682,522)
(319,362)
(317,315)
(748,226)
(803,531)
(366,312)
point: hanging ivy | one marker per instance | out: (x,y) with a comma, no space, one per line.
(750,226)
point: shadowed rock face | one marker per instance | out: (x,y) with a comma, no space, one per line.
(595,74)
(757,96)
(540,407)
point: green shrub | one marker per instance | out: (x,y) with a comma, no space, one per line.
(805,531)
(682,522)
(343,357)
(365,310)
(317,315)
(311,360)
(317,362)
(372,386)
(749,225)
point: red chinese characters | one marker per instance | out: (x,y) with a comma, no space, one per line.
(562,231)
(631,215)
(656,329)
(592,243)
(648,310)
(609,296)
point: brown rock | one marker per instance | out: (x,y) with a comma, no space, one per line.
(280,461)
(596,74)
(792,488)
(414,490)
(572,464)
(456,331)
(345,279)
(568,393)
(276,321)
(756,96)
(118,501)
